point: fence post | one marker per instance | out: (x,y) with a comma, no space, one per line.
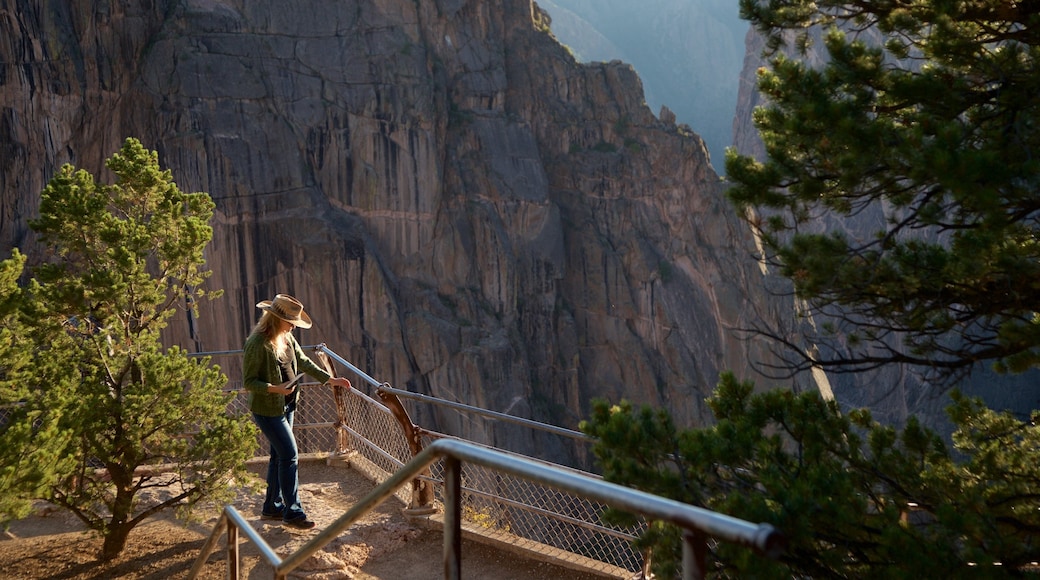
(342,441)
(207,548)
(694,555)
(452,518)
(232,549)
(422,491)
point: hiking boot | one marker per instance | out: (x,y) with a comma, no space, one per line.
(300,523)
(272,516)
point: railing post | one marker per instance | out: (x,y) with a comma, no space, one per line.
(452,518)
(207,548)
(694,555)
(422,491)
(232,549)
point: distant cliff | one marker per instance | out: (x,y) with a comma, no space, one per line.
(688,54)
(464,210)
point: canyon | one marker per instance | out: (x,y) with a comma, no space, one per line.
(465,210)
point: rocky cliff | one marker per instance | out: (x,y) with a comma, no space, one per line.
(687,53)
(465,210)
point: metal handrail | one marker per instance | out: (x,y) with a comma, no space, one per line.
(698,523)
(385,387)
(487,413)
(325,349)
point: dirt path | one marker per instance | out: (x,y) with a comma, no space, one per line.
(382,545)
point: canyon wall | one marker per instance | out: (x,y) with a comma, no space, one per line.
(464,210)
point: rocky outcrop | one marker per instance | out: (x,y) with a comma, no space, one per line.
(464,210)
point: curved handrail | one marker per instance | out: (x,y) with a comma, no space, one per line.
(386,388)
(699,523)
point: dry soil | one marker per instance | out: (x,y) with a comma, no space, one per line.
(52,544)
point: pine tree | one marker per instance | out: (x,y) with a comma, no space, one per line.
(25,470)
(855,499)
(99,411)
(929,111)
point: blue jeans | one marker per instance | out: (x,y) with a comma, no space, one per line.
(283,481)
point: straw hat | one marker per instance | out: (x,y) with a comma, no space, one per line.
(288,309)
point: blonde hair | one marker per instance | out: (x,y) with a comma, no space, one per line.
(269,325)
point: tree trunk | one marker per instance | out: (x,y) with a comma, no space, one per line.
(122,507)
(115,540)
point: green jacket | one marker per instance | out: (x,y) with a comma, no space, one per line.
(260,368)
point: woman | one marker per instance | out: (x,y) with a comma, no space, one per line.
(271,360)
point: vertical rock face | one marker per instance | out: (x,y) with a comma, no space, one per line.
(463,209)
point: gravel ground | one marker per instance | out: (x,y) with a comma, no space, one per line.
(382,545)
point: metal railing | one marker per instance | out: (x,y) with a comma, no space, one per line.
(381,441)
(497,504)
(698,524)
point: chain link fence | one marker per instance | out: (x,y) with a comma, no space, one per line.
(497,503)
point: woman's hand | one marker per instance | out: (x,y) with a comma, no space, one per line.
(339,382)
